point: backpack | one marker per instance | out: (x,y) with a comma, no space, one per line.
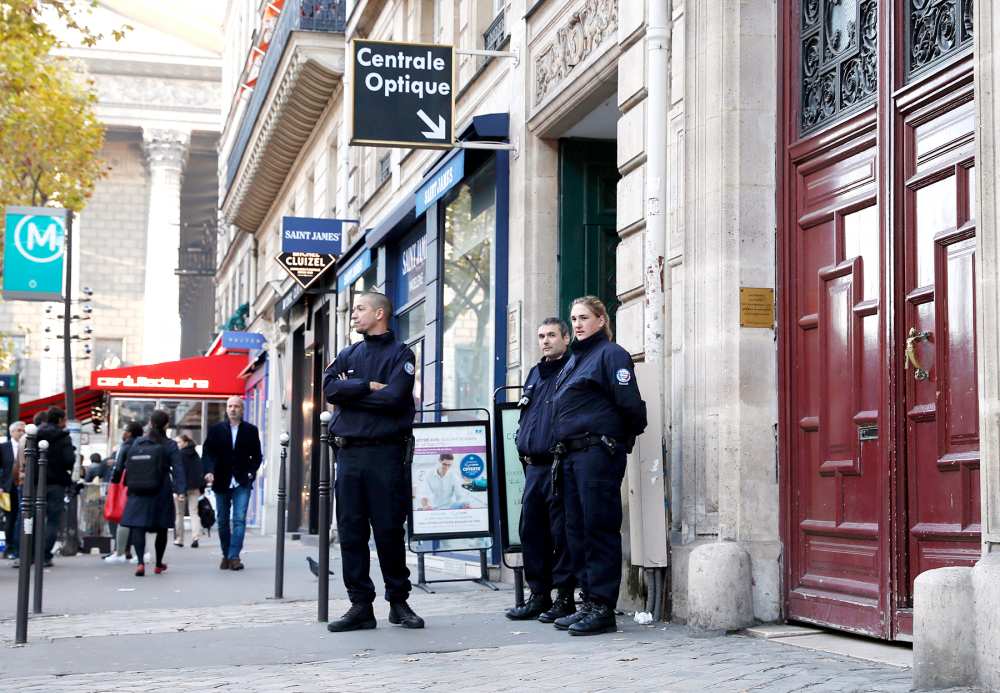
(145,467)
(206,513)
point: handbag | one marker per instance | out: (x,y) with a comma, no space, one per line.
(114,503)
(5,501)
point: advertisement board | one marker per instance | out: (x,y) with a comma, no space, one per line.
(450,480)
(510,474)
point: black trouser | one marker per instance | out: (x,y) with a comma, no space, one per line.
(547,562)
(592,481)
(371,490)
(55,505)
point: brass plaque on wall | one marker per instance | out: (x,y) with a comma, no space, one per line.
(756,307)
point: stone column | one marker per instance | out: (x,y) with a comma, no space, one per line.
(166,154)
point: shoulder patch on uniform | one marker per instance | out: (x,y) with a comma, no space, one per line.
(623,376)
(408,367)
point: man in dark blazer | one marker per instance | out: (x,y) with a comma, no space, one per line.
(11,451)
(231,456)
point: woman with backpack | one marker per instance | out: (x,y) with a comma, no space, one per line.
(154,473)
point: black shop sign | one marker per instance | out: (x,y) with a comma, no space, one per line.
(305,268)
(403,94)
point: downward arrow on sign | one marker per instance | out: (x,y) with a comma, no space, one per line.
(436,132)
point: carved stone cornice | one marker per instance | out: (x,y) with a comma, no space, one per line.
(140,92)
(585,30)
(166,149)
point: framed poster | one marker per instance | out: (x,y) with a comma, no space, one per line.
(510,476)
(450,480)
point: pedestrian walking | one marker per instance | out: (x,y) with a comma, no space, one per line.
(132,432)
(231,457)
(546,557)
(597,414)
(371,385)
(187,502)
(58,471)
(11,464)
(153,474)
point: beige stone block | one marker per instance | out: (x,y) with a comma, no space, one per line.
(631,18)
(632,73)
(629,264)
(630,190)
(631,129)
(628,327)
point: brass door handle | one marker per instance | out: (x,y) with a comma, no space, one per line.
(912,338)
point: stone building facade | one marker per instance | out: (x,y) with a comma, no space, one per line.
(646,152)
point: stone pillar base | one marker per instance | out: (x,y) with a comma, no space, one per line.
(720,593)
(956,627)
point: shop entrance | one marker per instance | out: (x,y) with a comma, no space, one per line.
(588,179)
(880,446)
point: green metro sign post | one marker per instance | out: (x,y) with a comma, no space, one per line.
(34,253)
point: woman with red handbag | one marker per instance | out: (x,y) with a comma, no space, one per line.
(122,552)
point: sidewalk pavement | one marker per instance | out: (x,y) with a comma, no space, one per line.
(199,628)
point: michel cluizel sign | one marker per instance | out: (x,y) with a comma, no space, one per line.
(309,247)
(404,94)
(33,256)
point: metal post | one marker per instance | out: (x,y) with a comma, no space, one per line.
(518,586)
(43,459)
(279,547)
(324,517)
(27,532)
(67,320)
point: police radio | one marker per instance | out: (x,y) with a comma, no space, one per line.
(526,397)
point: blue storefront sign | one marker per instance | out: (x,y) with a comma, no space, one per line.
(238,341)
(349,274)
(441,182)
(34,247)
(311,235)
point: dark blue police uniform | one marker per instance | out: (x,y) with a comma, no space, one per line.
(543,529)
(371,432)
(597,414)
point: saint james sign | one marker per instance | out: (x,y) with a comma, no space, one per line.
(404,94)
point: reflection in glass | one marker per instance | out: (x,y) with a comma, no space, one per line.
(935,213)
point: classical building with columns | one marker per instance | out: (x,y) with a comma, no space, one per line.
(145,243)
(790,208)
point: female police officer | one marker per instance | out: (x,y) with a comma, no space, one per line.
(597,414)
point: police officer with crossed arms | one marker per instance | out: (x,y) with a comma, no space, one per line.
(543,529)
(371,385)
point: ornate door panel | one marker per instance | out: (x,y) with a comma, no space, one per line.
(937,334)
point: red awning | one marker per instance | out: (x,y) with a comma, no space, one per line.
(85,400)
(201,376)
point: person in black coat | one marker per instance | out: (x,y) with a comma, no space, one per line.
(11,455)
(58,471)
(231,456)
(154,512)
(187,503)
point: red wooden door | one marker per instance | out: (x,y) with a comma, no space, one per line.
(879,468)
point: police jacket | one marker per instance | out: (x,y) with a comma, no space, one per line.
(534,435)
(361,412)
(596,393)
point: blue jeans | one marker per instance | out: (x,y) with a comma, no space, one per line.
(233,502)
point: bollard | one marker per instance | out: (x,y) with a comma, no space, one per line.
(324,517)
(42,486)
(27,532)
(279,547)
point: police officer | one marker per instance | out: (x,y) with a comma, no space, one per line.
(597,414)
(371,384)
(543,530)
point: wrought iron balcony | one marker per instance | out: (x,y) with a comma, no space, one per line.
(297,15)
(496,34)
(195,261)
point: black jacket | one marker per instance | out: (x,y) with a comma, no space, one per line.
(116,475)
(100,470)
(227,462)
(61,454)
(596,393)
(360,412)
(534,434)
(7,462)
(194,471)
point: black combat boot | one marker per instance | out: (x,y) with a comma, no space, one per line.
(564,605)
(358,617)
(600,619)
(536,605)
(565,622)
(401,614)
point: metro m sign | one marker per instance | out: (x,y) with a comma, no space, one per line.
(403,94)
(33,258)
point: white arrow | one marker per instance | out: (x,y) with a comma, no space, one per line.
(436,132)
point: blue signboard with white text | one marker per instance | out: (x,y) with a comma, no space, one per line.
(447,177)
(34,248)
(349,274)
(311,235)
(233,340)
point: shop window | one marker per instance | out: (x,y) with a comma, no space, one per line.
(469,225)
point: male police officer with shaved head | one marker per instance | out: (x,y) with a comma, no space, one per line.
(371,384)
(543,533)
